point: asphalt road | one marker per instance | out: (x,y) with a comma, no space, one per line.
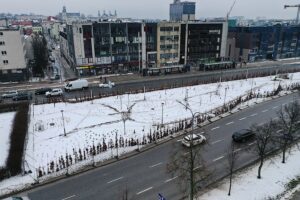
(145,174)
(156,82)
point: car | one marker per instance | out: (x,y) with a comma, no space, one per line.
(242,135)
(54,92)
(42,91)
(22,96)
(79,84)
(9,94)
(55,77)
(193,139)
(109,84)
(17,198)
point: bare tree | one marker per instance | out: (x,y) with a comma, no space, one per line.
(264,135)
(289,118)
(231,158)
(189,166)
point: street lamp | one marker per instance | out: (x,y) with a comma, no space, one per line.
(162,114)
(62,114)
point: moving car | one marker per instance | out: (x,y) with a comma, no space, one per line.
(193,139)
(22,96)
(42,91)
(9,94)
(54,92)
(55,77)
(109,84)
(242,135)
(79,84)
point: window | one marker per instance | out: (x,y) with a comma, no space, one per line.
(176,28)
(2,43)
(4,53)
(5,62)
(1,33)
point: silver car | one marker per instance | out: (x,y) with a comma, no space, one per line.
(9,94)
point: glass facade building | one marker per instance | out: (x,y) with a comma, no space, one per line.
(182,11)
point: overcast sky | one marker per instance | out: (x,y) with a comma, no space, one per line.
(154,9)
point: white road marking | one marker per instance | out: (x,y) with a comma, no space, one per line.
(242,118)
(179,140)
(215,128)
(237,150)
(115,180)
(251,143)
(69,197)
(279,131)
(218,158)
(264,110)
(276,118)
(197,167)
(284,104)
(229,123)
(253,115)
(216,141)
(171,179)
(275,107)
(145,190)
(155,165)
(261,124)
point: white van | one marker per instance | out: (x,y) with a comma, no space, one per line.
(79,84)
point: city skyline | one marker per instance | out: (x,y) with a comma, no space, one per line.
(154,9)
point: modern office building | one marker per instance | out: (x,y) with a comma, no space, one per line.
(202,42)
(13,64)
(253,43)
(182,11)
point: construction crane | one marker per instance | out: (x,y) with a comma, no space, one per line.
(228,13)
(294,6)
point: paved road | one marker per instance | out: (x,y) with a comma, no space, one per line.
(158,82)
(145,174)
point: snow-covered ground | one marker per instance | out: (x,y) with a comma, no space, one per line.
(246,186)
(6,121)
(93,123)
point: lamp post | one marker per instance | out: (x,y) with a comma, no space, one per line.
(62,114)
(162,114)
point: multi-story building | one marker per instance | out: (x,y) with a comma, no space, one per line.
(202,42)
(114,46)
(13,65)
(249,44)
(182,11)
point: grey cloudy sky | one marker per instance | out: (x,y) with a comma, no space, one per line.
(155,9)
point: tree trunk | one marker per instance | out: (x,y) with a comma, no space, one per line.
(259,168)
(283,152)
(230,183)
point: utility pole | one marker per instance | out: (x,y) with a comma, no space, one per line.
(62,114)
(162,113)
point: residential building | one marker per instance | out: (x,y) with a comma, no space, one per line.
(253,43)
(13,65)
(182,11)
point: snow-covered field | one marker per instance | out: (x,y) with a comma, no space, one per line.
(6,121)
(92,122)
(246,186)
(96,122)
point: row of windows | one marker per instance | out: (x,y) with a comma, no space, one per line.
(169,55)
(169,46)
(1,33)
(5,62)
(170,38)
(4,53)
(169,28)
(2,43)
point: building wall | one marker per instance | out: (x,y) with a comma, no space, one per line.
(182,11)
(12,56)
(168,43)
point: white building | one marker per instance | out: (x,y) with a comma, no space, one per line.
(13,64)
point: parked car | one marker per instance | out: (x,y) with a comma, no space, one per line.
(242,135)
(42,91)
(22,96)
(79,84)
(193,139)
(54,92)
(55,77)
(109,84)
(9,94)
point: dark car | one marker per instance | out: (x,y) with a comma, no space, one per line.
(22,96)
(55,77)
(242,135)
(42,91)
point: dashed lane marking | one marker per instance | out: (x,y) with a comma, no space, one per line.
(69,197)
(145,190)
(115,180)
(171,179)
(229,123)
(250,144)
(254,114)
(242,118)
(275,107)
(155,165)
(214,160)
(215,128)
(264,111)
(215,142)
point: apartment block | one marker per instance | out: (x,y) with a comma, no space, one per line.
(13,64)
